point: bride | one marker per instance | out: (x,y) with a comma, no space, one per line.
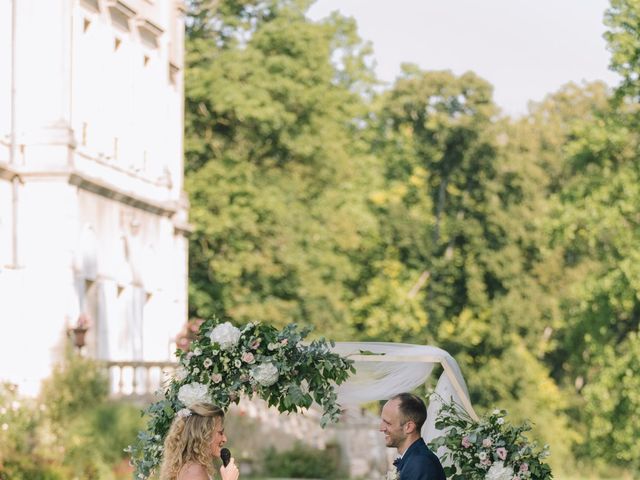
(195,437)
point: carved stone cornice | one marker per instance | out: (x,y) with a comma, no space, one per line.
(172,209)
(166,209)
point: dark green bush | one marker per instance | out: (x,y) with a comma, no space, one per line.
(303,462)
(114,427)
(25,468)
(76,385)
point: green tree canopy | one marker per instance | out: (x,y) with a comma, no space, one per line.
(275,170)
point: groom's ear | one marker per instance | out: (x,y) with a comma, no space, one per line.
(409,426)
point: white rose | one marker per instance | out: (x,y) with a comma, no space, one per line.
(266,374)
(248,326)
(225,335)
(193,393)
(184,413)
(392,475)
(499,472)
(181,373)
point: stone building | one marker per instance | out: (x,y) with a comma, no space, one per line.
(93,216)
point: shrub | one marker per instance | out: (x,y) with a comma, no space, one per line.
(76,385)
(114,427)
(25,468)
(74,433)
(20,433)
(303,462)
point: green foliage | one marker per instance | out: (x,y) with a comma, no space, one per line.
(76,385)
(25,468)
(592,234)
(611,403)
(303,462)
(20,430)
(113,427)
(623,20)
(273,172)
(89,432)
(72,432)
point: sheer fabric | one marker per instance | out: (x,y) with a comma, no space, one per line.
(402,367)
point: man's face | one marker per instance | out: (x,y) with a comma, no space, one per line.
(391,424)
(218,438)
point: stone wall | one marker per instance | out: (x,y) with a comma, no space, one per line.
(253,426)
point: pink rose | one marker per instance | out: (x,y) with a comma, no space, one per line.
(255,344)
(216,378)
(502,453)
(486,443)
(465,442)
(247,357)
(284,341)
(485,461)
(524,467)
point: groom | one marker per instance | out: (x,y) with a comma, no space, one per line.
(401,420)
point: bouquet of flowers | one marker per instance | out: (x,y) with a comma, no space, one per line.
(489,449)
(224,362)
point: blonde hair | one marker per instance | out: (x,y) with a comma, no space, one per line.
(189,440)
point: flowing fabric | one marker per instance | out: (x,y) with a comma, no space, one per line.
(402,367)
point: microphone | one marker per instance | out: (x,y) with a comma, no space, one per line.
(225,455)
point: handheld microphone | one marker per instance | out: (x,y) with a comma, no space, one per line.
(225,455)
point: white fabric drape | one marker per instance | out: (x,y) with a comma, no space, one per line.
(380,380)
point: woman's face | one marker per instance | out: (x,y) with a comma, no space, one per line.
(218,438)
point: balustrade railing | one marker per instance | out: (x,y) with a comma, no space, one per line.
(136,379)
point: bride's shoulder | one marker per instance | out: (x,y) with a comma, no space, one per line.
(193,471)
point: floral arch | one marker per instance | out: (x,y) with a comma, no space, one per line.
(225,362)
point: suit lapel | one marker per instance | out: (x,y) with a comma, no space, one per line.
(415,446)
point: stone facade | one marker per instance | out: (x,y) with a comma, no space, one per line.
(93,218)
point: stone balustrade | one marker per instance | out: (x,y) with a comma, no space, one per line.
(137,380)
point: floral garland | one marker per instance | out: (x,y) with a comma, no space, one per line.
(489,449)
(225,362)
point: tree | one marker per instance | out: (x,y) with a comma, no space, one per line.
(275,168)
(623,20)
(432,135)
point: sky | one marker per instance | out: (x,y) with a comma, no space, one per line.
(525,48)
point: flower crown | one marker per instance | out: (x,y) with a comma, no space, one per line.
(184,413)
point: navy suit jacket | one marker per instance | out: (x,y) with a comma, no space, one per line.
(420,463)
